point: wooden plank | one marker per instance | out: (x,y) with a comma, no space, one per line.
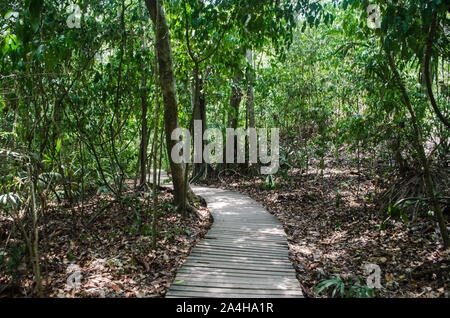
(237,291)
(242,242)
(194,294)
(237,265)
(226,253)
(248,251)
(249,233)
(236,254)
(236,278)
(255,226)
(252,244)
(218,253)
(264,249)
(234,259)
(243,238)
(256,230)
(230,275)
(238,284)
(232,271)
(226,267)
(248,260)
(222,250)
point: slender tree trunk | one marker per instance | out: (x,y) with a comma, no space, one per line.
(155,171)
(57,117)
(235,101)
(250,102)
(418,143)
(160,156)
(198,111)
(195,98)
(36,260)
(233,115)
(427,72)
(250,92)
(144,133)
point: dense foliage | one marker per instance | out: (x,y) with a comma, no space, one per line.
(85,104)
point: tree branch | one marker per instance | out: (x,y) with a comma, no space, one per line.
(428,49)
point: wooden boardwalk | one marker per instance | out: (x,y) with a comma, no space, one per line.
(244,254)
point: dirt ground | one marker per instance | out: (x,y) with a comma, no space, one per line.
(110,257)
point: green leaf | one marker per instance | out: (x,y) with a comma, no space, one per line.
(338,286)
(35,9)
(325,284)
(351,290)
(11,13)
(58,146)
(39,51)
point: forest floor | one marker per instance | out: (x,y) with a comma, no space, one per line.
(333,228)
(114,253)
(331,221)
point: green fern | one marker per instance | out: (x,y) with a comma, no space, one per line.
(345,287)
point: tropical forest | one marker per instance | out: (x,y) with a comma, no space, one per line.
(224,149)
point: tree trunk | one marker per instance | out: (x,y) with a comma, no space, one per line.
(235,101)
(250,103)
(144,133)
(250,92)
(198,113)
(418,144)
(167,82)
(427,73)
(233,114)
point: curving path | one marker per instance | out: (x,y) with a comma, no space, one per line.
(244,254)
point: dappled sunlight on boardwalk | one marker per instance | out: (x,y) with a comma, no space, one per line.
(244,254)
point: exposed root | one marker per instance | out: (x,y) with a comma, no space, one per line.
(412,186)
(190,209)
